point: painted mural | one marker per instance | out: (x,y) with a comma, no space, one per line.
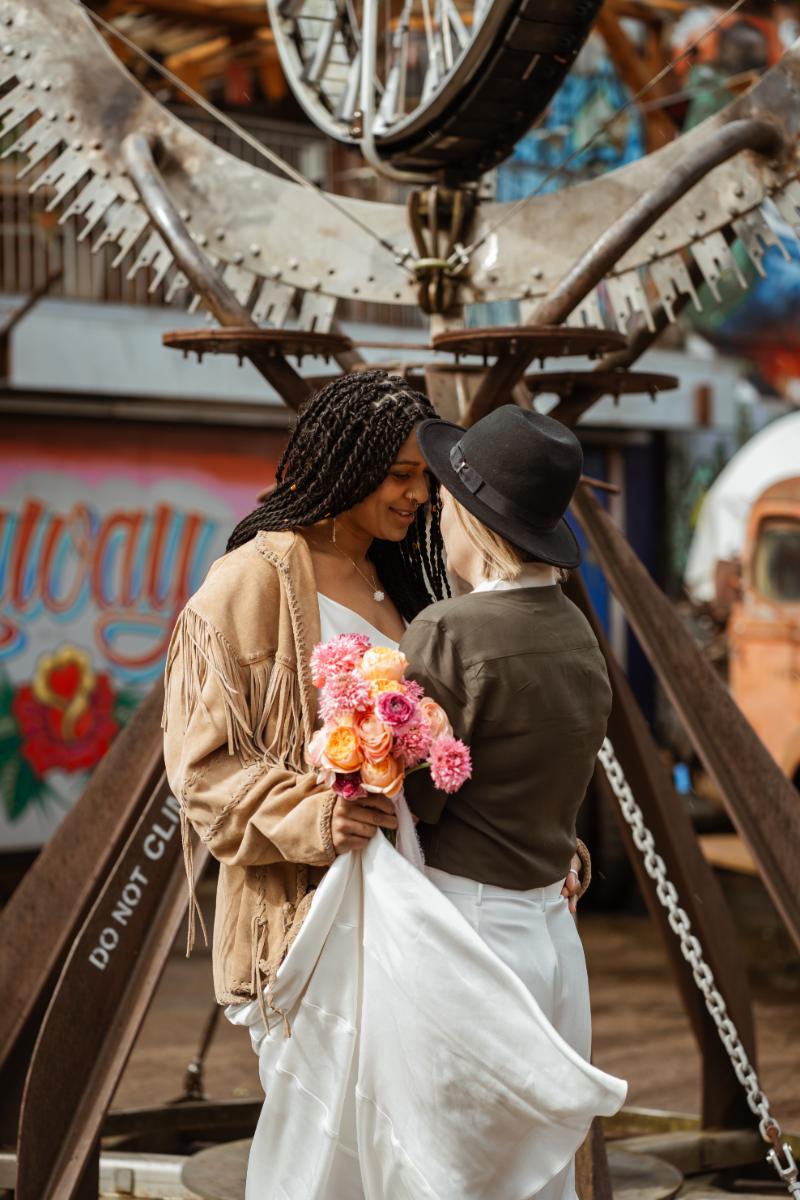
(105,531)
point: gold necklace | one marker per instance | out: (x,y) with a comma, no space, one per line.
(377,594)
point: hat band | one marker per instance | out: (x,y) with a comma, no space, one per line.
(475,483)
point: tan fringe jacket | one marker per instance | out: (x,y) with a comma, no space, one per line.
(238,711)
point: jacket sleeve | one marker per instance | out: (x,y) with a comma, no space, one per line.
(433,661)
(222,724)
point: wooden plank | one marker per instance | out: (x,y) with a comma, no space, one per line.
(728,852)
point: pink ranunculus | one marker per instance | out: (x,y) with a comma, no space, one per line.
(344,693)
(414,744)
(436,717)
(349,787)
(451,764)
(397,709)
(342,653)
(375,737)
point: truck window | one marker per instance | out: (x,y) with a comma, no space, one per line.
(776,562)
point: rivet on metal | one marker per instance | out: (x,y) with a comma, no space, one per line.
(77,144)
(9,50)
(45,85)
(219,234)
(95,144)
(661,234)
(238,257)
(202,240)
(70,116)
(255,250)
(24,53)
(293,264)
(316,285)
(537,273)
(738,190)
(185,214)
(700,214)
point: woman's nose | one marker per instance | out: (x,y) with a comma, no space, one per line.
(418,490)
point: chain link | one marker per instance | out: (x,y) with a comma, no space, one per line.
(780,1156)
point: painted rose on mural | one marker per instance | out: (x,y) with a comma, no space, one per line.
(66,715)
(63,720)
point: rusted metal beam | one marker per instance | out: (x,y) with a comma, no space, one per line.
(99,1003)
(760,800)
(722,1100)
(749,133)
(137,153)
(42,917)
(641,339)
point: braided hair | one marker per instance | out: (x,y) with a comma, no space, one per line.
(341,449)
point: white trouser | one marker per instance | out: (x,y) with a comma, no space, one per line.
(534,934)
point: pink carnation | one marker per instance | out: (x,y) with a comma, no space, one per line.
(451,764)
(348,786)
(414,690)
(342,653)
(345,693)
(397,710)
(413,744)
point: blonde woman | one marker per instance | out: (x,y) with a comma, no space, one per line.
(518,669)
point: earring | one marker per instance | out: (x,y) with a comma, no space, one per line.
(333,538)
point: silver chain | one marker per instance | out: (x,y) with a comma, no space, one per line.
(780,1156)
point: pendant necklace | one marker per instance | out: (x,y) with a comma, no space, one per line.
(377,594)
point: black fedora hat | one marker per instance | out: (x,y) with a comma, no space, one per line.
(516,472)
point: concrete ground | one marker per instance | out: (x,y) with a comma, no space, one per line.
(640,1031)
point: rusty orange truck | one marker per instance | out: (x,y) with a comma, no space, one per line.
(764,624)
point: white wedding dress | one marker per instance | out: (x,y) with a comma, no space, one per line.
(419,1065)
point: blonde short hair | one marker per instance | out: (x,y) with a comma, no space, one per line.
(500,559)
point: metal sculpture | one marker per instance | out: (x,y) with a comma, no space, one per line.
(644,236)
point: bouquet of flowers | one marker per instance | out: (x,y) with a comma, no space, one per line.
(378,726)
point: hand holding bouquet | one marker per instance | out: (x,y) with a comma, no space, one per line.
(377,725)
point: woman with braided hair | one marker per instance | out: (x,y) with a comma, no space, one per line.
(348,541)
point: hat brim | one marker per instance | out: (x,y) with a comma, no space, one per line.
(559,546)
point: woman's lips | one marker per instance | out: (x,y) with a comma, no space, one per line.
(406,517)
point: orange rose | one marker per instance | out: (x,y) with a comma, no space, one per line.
(436,718)
(385,777)
(375,737)
(382,663)
(342,752)
(384,685)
